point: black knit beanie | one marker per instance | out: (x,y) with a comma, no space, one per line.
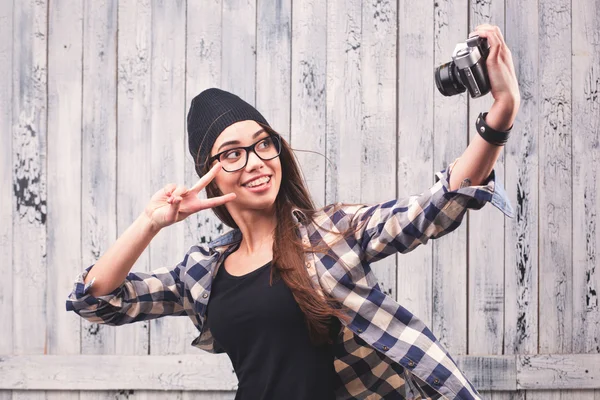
(210,113)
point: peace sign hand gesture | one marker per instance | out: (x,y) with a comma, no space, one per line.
(174,203)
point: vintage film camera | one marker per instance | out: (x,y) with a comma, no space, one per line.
(467,70)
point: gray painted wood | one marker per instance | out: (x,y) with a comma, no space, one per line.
(65,30)
(450,136)
(98,152)
(64,172)
(586,174)
(166,161)
(558,371)
(486,228)
(308,93)
(135,109)
(29,149)
(273,63)
(415,144)
(333,84)
(344,101)
(203,70)
(521,246)
(555,209)
(378,120)
(6,179)
(238,51)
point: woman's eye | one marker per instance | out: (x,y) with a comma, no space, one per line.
(264,144)
(232,155)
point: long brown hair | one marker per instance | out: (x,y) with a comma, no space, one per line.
(288,250)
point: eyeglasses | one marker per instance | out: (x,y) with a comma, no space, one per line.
(237,158)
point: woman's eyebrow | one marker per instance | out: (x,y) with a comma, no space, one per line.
(254,136)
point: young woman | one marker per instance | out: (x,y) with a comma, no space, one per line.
(289,293)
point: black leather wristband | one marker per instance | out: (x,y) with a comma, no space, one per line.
(497,138)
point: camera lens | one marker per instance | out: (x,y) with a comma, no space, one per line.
(447,79)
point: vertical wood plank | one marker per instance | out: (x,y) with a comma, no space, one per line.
(586,174)
(134,151)
(521,249)
(378,126)
(344,102)
(450,140)
(98,186)
(203,71)
(415,143)
(273,62)
(6,179)
(29,178)
(65,34)
(167,151)
(64,171)
(239,48)
(486,227)
(555,210)
(308,97)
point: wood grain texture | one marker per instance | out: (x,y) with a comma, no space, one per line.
(378,126)
(558,371)
(273,62)
(486,227)
(308,93)
(164,372)
(29,148)
(98,152)
(65,54)
(586,174)
(6,178)
(238,51)
(555,210)
(92,122)
(135,141)
(522,164)
(166,160)
(415,144)
(203,71)
(344,102)
(449,141)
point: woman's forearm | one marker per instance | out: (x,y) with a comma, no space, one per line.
(479,158)
(112,267)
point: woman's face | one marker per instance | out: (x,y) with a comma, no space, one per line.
(244,181)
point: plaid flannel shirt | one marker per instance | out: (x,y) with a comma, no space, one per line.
(385,351)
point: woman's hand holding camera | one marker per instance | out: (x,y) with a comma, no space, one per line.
(503,80)
(174,203)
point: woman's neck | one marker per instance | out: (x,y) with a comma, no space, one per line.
(257,228)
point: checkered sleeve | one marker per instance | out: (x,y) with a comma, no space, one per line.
(142,296)
(402,225)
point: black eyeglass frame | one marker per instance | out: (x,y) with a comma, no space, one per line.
(247,149)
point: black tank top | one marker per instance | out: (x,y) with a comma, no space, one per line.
(263,331)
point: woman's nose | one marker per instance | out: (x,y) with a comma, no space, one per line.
(254,161)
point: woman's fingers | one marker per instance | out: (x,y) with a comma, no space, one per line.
(215,201)
(171,215)
(168,189)
(206,179)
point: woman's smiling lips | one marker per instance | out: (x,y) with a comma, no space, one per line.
(261,187)
(255,178)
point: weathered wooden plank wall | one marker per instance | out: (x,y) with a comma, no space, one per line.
(93,99)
